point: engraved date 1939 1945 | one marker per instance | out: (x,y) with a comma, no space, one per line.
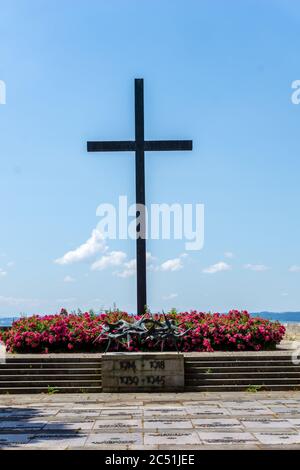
(142,381)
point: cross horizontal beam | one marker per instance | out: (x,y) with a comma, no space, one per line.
(148,145)
(157,145)
(111,146)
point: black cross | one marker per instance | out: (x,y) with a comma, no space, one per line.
(139,146)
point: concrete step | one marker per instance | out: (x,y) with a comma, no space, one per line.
(244,381)
(51,383)
(238,388)
(220,363)
(48,359)
(230,373)
(241,375)
(60,389)
(50,371)
(46,377)
(237,369)
(49,365)
(249,357)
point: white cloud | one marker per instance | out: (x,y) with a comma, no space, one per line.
(216,268)
(174,264)
(256,267)
(10,264)
(13,301)
(114,258)
(294,269)
(2,273)
(228,254)
(67,300)
(170,296)
(130,266)
(95,244)
(284,294)
(69,279)
(150,260)
(149,257)
(129,269)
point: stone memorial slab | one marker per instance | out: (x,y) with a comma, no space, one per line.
(59,442)
(15,425)
(249,412)
(159,405)
(266,424)
(17,413)
(206,410)
(117,425)
(114,438)
(244,405)
(167,424)
(121,412)
(13,439)
(142,372)
(275,439)
(164,412)
(80,412)
(63,426)
(225,437)
(179,438)
(216,423)
(295,422)
(280,410)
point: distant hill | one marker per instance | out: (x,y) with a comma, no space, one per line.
(281,316)
(7,321)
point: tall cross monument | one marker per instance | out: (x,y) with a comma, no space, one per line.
(140,146)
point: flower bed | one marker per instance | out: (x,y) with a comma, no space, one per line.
(79,333)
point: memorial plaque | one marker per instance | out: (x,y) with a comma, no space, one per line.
(149,372)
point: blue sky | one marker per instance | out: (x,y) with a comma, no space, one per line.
(217,72)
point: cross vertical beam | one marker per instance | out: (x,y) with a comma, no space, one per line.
(140,146)
(140,196)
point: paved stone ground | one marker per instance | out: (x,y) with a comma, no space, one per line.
(151,421)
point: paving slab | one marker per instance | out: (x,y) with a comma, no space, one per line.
(117,425)
(279,410)
(277,439)
(172,437)
(249,412)
(244,405)
(121,412)
(16,425)
(59,442)
(114,439)
(162,421)
(225,437)
(216,423)
(295,422)
(178,411)
(167,424)
(267,424)
(63,426)
(206,411)
(9,440)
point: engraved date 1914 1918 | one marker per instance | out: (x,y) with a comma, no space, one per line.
(131,365)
